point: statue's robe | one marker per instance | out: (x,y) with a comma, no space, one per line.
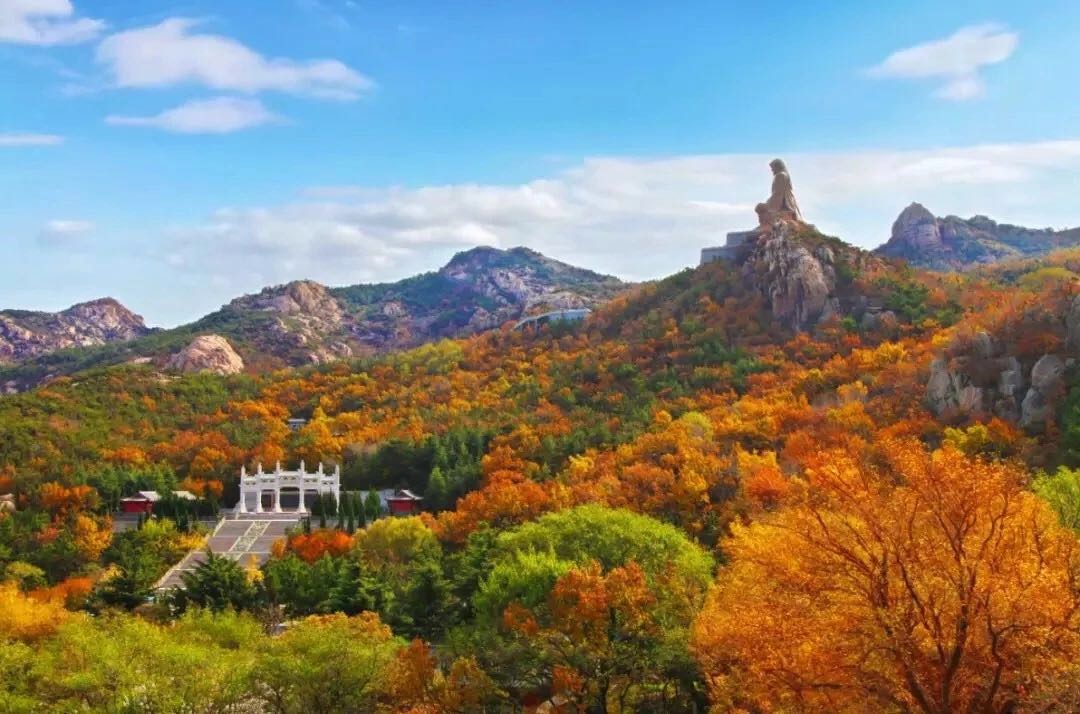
(781,203)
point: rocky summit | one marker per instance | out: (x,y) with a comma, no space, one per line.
(25,335)
(954,243)
(480,289)
(477,290)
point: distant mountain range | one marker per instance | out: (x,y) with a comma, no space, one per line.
(25,335)
(954,243)
(303,322)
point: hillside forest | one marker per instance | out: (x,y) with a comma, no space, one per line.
(686,502)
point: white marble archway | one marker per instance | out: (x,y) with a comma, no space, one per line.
(258,483)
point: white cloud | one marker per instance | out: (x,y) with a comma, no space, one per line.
(64,232)
(221,115)
(957,59)
(636,218)
(25,139)
(45,22)
(169,54)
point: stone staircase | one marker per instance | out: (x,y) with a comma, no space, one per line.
(238,536)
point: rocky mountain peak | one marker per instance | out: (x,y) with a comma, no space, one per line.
(914,212)
(954,243)
(916,229)
(106,315)
(480,255)
(298,297)
(25,334)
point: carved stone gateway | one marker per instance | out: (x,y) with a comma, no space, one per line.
(303,482)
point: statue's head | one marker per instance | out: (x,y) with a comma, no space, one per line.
(777,165)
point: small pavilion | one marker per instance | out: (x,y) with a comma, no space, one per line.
(278,480)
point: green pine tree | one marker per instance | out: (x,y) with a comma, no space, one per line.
(437,492)
(428,600)
(218,584)
(372,506)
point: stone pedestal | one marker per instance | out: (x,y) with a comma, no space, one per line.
(735,249)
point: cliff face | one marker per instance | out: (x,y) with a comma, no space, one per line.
(25,335)
(953,243)
(807,278)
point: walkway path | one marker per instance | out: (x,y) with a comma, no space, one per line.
(238,537)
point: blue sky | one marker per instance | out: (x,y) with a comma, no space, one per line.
(175,155)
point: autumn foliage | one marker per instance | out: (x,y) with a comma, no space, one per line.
(309,547)
(27,618)
(582,486)
(906,579)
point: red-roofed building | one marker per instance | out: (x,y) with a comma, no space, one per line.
(143,501)
(404,503)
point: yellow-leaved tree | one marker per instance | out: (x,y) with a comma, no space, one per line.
(897,580)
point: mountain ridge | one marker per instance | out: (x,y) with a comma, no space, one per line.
(958,244)
(26,334)
(304,322)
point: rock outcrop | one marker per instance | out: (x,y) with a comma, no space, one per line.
(207,353)
(25,335)
(803,275)
(984,380)
(1047,387)
(306,319)
(954,243)
(799,281)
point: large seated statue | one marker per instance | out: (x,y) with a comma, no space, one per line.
(781,205)
(779,208)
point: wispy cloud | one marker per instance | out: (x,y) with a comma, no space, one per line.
(64,232)
(221,115)
(26,139)
(957,59)
(171,53)
(45,22)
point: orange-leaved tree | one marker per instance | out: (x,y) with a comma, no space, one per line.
(899,580)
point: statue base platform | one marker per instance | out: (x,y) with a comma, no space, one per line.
(736,248)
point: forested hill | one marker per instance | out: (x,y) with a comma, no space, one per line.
(622,509)
(304,322)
